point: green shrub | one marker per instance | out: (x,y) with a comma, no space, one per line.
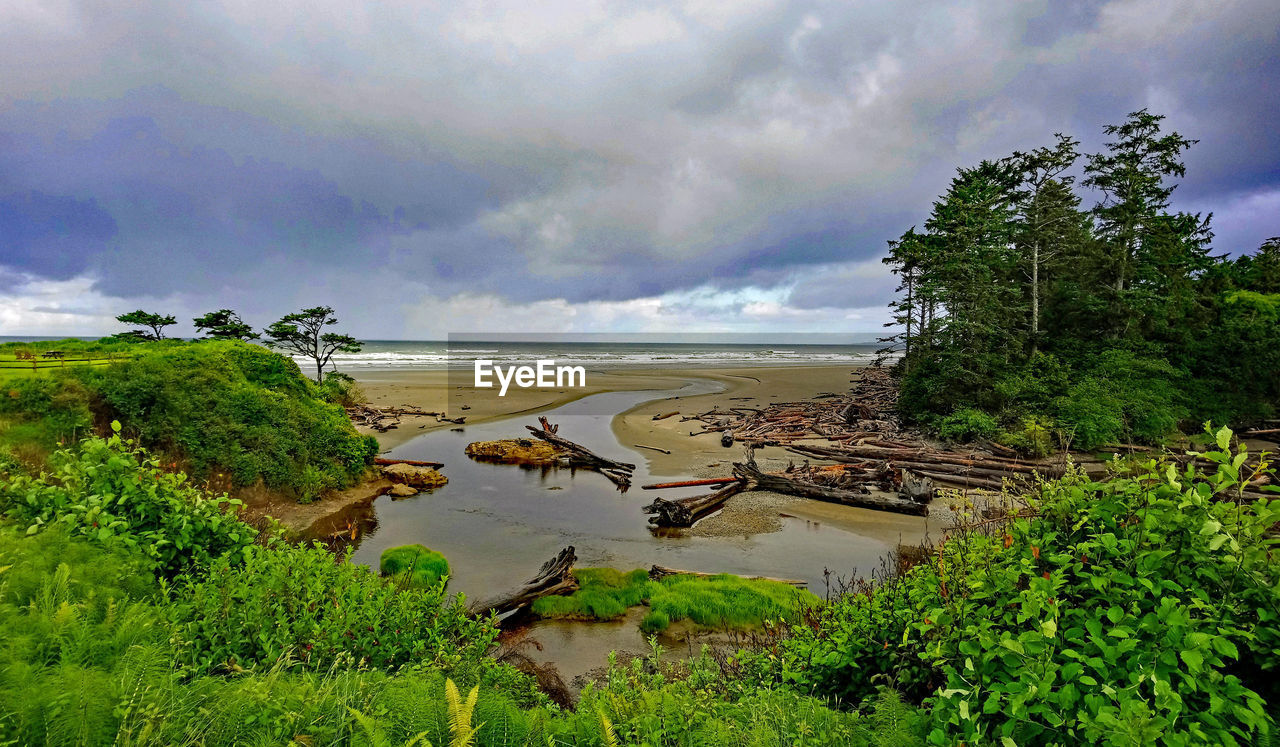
(116,494)
(225,411)
(341,389)
(296,606)
(39,413)
(416,565)
(966,424)
(234,407)
(1035,437)
(1136,610)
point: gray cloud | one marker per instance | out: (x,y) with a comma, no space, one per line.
(268,155)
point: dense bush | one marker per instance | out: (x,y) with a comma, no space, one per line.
(1138,610)
(415,565)
(228,412)
(236,408)
(38,413)
(114,493)
(967,424)
(300,606)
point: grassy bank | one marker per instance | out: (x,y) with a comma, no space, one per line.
(229,413)
(723,601)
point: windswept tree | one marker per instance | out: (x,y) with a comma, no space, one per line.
(224,324)
(155,324)
(1047,218)
(1133,176)
(304,333)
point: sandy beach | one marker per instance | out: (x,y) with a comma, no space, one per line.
(454,395)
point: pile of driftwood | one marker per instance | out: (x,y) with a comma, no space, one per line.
(383,419)
(580,456)
(969,469)
(833,484)
(863,415)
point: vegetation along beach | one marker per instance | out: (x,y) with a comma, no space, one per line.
(671,374)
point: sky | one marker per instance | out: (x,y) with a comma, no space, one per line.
(585,166)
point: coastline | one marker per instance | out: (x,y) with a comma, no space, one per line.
(432,390)
(743,386)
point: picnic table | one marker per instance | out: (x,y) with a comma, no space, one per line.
(53,354)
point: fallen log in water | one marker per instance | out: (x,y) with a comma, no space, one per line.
(684,512)
(618,472)
(659,572)
(555,577)
(860,497)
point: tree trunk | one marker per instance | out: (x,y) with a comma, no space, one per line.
(1035,297)
(555,577)
(786,486)
(684,512)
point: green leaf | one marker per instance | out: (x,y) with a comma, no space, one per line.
(1193,658)
(1223,437)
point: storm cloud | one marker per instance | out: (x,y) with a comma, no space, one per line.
(589,165)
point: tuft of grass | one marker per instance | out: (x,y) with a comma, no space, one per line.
(721,601)
(417,564)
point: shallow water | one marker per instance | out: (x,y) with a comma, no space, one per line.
(498,523)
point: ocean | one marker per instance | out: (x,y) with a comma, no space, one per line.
(603,355)
(792,350)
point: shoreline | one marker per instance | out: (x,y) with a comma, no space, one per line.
(438,391)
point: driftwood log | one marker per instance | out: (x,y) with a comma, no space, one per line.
(689,483)
(618,472)
(684,512)
(555,577)
(855,496)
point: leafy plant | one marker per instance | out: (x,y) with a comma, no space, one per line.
(115,493)
(1135,610)
(967,424)
(294,605)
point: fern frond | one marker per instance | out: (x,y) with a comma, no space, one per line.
(463,733)
(606,727)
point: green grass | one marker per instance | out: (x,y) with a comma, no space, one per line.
(418,565)
(721,601)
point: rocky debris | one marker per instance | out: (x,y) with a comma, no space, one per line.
(402,491)
(422,478)
(515,451)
